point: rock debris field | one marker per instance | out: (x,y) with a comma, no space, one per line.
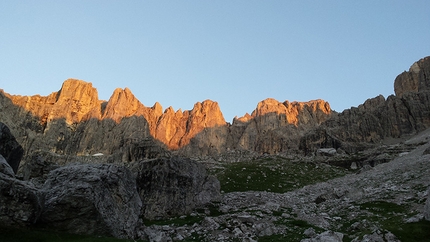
(371,204)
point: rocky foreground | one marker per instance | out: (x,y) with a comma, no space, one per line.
(361,206)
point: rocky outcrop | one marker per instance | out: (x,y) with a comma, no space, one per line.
(275,127)
(176,129)
(405,113)
(415,80)
(10,149)
(75,102)
(20,203)
(172,187)
(91,199)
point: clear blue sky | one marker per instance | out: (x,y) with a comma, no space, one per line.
(234,52)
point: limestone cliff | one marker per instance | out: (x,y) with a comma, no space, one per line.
(77,102)
(405,113)
(74,121)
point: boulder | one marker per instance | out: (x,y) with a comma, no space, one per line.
(326,152)
(91,199)
(20,202)
(327,236)
(174,186)
(10,149)
(38,166)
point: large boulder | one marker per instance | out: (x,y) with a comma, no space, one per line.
(175,186)
(20,202)
(91,199)
(10,149)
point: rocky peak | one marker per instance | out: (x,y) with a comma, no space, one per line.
(123,104)
(176,129)
(296,113)
(76,101)
(158,109)
(415,80)
(209,112)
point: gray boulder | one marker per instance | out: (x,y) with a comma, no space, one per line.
(327,236)
(37,168)
(20,203)
(92,199)
(10,149)
(174,186)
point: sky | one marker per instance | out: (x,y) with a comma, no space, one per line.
(234,52)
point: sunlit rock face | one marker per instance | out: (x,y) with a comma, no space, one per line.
(297,113)
(75,102)
(75,114)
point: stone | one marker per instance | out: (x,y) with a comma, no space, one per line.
(10,149)
(173,187)
(91,199)
(38,167)
(326,152)
(309,232)
(20,202)
(327,236)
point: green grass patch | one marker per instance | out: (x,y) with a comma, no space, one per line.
(413,232)
(383,207)
(273,175)
(38,235)
(391,217)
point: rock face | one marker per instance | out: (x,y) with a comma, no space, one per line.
(91,199)
(377,118)
(415,80)
(9,147)
(172,187)
(75,102)
(73,121)
(20,203)
(123,125)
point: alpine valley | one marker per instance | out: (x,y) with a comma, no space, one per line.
(72,164)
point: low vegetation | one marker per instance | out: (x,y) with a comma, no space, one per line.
(276,174)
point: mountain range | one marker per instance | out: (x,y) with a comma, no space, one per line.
(74,121)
